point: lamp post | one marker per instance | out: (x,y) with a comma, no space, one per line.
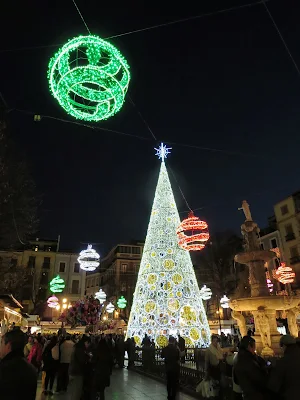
(62,306)
(218,313)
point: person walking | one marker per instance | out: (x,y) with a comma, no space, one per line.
(50,365)
(171,354)
(36,353)
(28,346)
(66,350)
(284,379)
(18,379)
(102,360)
(250,371)
(79,361)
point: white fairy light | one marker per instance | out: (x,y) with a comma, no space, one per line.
(224,302)
(89,259)
(167,296)
(110,308)
(101,296)
(205,293)
(162,152)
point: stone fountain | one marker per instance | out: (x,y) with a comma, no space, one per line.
(262,305)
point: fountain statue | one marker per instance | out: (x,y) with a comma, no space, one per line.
(262,305)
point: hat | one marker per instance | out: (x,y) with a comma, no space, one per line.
(286,340)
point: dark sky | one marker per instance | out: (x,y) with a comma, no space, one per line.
(223,81)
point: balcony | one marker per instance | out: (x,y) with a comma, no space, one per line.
(290,236)
(295,260)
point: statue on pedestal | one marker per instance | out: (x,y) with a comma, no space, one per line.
(262,324)
(246,208)
(292,321)
(241,322)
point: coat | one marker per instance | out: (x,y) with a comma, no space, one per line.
(102,361)
(66,350)
(79,360)
(284,378)
(36,355)
(250,374)
(171,354)
(49,363)
(18,379)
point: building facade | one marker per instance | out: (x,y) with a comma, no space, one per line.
(117,273)
(43,262)
(287,213)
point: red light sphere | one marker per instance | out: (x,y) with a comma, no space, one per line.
(198,236)
(285,274)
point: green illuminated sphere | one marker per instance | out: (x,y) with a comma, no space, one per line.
(89,77)
(57,285)
(122,302)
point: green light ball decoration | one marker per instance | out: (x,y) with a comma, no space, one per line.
(122,302)
(57,285)
(89,77)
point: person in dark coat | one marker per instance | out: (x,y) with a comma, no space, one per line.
(18,379)
(102,360)
(181,345)
(78,366)
(171,354)
(250,371)
(50,365)
(284,379)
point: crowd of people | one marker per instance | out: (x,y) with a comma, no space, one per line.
(253,378)
(80,365)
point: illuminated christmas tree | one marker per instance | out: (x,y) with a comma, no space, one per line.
(167,299)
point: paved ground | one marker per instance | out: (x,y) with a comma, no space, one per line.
(127,385)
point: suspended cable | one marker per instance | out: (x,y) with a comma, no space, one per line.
(182,194)
(142,118)
(15,225)
(281,38)
(147,28)
(96,128)
(81,16)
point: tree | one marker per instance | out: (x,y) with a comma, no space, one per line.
(167,297)
(13,277)
(18,200)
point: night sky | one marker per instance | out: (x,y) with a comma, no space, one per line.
(223,81)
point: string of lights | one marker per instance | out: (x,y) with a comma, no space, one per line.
(178,21)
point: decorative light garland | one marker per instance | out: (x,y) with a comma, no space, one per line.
(285,274)
(110,308)
(57,285)
(52,302)
(205,293)
(167,298)
(195,241)
(122,302)
(101,296)
(89,77)
(224,302)
(89,259)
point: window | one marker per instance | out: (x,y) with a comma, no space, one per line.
(76,267)
(123,286)
(102,281)
(125,249)
(273,243)
(136,250)
(93,282)
(14,262)
(31,262)
(123,268)
(262,246)
(284,209)
(62,267)
(87,283)
(277,262)
(136,268)
(294,251)
(97,281)
(289,229)
(46,263)
(36,248)
(75,286)
(44,278)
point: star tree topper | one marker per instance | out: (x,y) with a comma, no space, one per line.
(162,152)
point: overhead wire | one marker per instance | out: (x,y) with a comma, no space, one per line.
(178,21)
(281,37)
(81,16)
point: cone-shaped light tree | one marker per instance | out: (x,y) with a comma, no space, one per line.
(167,299)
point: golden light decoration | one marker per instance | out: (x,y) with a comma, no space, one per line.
(285,274)
(198,236)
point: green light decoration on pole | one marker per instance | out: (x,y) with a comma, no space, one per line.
(122,302)
(57,285)
(89,77)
